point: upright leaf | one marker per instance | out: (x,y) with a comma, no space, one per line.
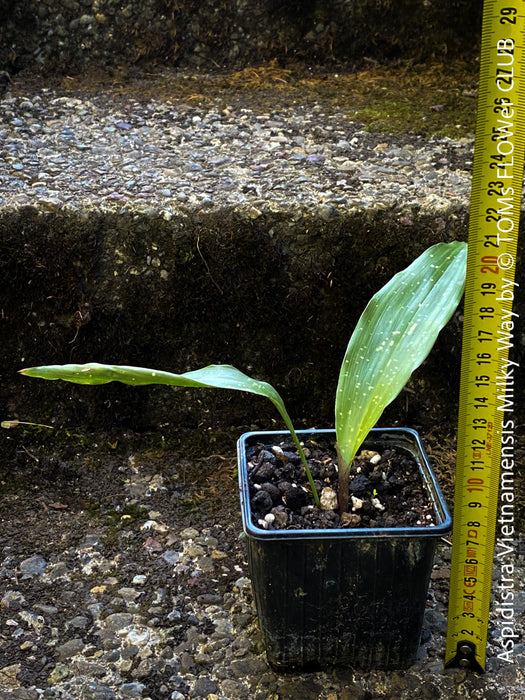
(393,336)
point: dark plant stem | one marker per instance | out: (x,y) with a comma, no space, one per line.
(343,469)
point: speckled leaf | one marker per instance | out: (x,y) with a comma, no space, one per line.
(392,338)
(213,376)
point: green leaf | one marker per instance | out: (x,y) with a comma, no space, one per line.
(392,338)
(214,376)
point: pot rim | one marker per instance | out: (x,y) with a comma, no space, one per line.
(400,435)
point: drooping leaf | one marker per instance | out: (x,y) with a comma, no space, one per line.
(213,376)
(392,338)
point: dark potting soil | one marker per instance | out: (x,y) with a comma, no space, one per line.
(386,489)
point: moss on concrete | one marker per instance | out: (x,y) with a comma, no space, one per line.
(269,296)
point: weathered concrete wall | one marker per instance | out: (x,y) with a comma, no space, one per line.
(275,296)
(67,36)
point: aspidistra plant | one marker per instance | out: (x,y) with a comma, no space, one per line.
(391,339)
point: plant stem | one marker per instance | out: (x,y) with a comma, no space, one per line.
(278,402)
(306,467)
(343,469)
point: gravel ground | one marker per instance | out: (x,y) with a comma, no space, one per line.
(121,577)
(108,151)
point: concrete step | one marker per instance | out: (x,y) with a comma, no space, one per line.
(145,225)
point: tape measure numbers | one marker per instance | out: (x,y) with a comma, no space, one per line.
(488,323)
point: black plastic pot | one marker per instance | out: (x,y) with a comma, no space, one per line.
(352,597)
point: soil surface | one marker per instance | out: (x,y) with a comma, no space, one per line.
(123,575)
(386,489)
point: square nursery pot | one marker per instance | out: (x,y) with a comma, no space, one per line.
(351,597)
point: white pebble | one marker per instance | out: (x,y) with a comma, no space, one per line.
(356,503)
(377,504)
(328,499)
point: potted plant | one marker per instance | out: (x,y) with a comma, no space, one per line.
(351,592)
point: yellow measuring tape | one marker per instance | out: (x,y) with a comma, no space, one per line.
(487,373)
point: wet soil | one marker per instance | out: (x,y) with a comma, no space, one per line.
(386,489)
